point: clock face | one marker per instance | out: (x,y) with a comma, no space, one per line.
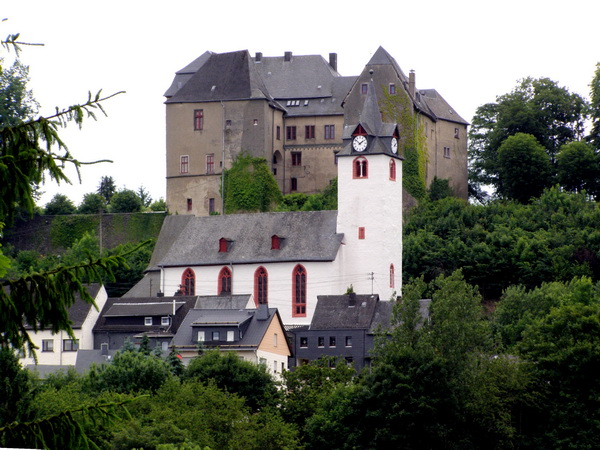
(394,145)
(359,143)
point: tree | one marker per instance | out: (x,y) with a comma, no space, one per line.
(92,203)
(524,169)
(594,136)
(144,196)
(16,101)
(250,186)
(16,388)
(158,205)
(60,205)
(538,107)
(228,372)
(125,201)
(440,188)
(107,188)
(578,168)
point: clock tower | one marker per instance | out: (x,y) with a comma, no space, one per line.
(370,204)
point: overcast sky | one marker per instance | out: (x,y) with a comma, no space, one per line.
(469,50)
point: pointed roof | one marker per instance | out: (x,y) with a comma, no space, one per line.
(382,57)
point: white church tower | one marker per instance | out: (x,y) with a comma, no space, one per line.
(370,204)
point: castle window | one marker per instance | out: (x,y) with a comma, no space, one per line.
(184,164)
(364,88)
(392,170)
(294,184)
(189,204)
(392,282)
(309,132)
(392,89)
(446,152)
(299,292)
(198,119)
(188,282)
(278,133)
(210,163)
(361,168)
(296,158)
(290,133)
(228,123)
(211,205)
(361,232)
(456,133)
(225,281)
(261,283)
(329,131)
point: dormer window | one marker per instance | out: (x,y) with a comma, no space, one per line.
(276,242)
(224,245)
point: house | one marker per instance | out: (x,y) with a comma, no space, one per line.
(285,259)
(291,110)
(60,350)
(255,335)
(343,326)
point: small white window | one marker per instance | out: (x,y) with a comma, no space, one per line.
(165,346)
(164,321)
(148,321)
(230,336)
(200,336)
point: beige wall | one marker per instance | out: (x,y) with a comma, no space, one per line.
(268,342)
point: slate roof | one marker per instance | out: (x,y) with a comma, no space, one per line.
(222,301)
(259,323)
(344,312)
(439,106)
(124,309)
(223,76)
(183,76)
(85,359)
(307,236)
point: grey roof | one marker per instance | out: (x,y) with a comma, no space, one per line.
(307,236)
(148,286)
(85,358)
(222,301)
(439,106)
(252,337)
(124,309)
(183,76)
(223,76)
(352,311)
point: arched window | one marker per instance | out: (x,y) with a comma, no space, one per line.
(188,282)
(392,282)
(224,281)
(361,168)
(261,286)
(299,291)
(392,170)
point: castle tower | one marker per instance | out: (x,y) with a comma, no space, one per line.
(370,203)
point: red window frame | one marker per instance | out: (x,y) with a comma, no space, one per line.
(299,278)
(210,163)
(329,131)
(224,281)
(188,282)
(290,133)
(261,286)
(275,242)
(309,132)
(392,281)
(296,158)
(361,232)
(184,164)
(360,168)
(223,245)
(392,170)
(198,119)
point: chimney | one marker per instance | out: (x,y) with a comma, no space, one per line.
(411,83)
(287,56)
(333,61)
(258,57)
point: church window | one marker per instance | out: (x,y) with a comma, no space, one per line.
(296,158)
(361,232)
(210,163)
(329,131)
(225,281)
(299,292)
(392,282)
(198,119)
(364,88)
(361,168)
(309,132)
(290,133)
(184,164)
(392,170)
(188,282)
(261,284)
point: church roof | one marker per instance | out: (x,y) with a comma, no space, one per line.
(305,236)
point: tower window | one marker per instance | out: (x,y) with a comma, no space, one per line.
(198,119)
(210,163)
(290,133)
(392,89)
(329,131)
(184,164)
(189,204)
(392,282)
(361,168)
(296,158)
(361,232)
(446,152)
(294,184)
(309,132)
(392,170)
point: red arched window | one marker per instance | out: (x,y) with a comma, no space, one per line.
(392,170)
(188,282)
(299,291)
(224,281)
(392,282)
(261,286)
(360,168)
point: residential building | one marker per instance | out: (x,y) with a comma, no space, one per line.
(291,110)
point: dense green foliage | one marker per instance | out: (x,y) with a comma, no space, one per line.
(250,186)
(107,188)
(578,168)
(16,101)
(125,201)
(554,238)
(326,200)
(60,205)
(92,203)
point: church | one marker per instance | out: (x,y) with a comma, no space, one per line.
(286,259)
